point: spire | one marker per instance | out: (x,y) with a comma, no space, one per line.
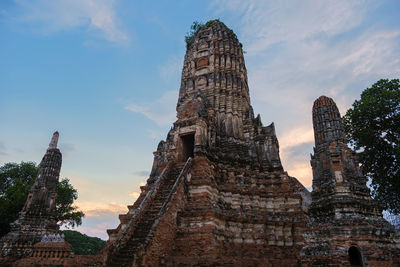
(214,63)
(343,216)
(38,214)
(327,122)
(336,174)
(54,140)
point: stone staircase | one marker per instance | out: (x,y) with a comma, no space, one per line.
(123,252)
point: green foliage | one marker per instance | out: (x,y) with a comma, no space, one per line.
(83,244)
(15,182)
(197,26)
(373,127)
(10,172)
(67,213)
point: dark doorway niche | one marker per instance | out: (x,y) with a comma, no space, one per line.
(187,146)
(355,257)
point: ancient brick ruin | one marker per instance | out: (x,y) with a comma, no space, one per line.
(218,195)
(37,217)
(345,224)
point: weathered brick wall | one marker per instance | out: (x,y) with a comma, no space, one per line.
(239,221)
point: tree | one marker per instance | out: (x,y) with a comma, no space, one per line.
(373,127)
(15,182)
(67,213)
(83,244)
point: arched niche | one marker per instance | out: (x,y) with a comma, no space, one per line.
(355,257)
(202,62)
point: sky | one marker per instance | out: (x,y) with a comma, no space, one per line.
(106,75)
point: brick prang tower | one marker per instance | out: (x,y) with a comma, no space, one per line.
(235,205)
(346,225)
(214,105)
(37,217)
(337,177)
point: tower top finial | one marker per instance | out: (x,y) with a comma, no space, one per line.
(327,122)
(54,140)
(323,101)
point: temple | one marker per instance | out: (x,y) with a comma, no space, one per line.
(37,217)
(217,194)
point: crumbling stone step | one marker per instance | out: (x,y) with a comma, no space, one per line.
(123,256)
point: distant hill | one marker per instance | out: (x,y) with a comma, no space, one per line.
(83,244)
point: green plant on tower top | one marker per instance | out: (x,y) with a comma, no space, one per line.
(197,26)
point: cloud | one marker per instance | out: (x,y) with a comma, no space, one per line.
(97,16)
(296,160)
(296,137)
(161,111)
(92,209)
(295,148)
(372,53)
(100,217)
(269,22)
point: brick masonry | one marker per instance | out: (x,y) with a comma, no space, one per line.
(237,206)
(218,195)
